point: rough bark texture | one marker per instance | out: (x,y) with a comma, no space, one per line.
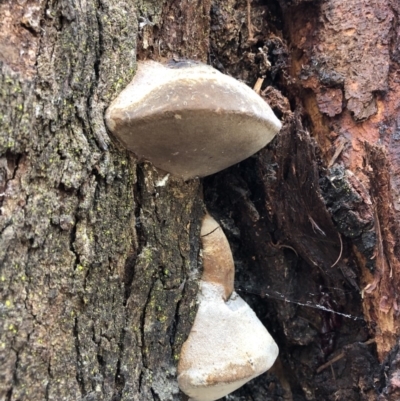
(99,254)
(97,260)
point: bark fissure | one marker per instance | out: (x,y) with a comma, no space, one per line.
(14,377)
(78,362)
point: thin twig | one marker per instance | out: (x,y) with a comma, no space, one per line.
(315,226)
(338,151)
(339,357)
(341,250)
(289,247)
(249,24)
(257,86)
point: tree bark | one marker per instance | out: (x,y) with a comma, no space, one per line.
(97,259)
(99,252)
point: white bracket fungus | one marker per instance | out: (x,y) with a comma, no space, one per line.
(228,345)
(191,121)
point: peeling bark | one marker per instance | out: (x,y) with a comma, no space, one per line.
(313,218)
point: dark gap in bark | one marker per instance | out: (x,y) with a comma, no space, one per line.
(142,327)
(172,329)
(141,379)
(155,396)
(9,164)
(47,393)
(63,188)
(79,374)
(129,270)
(14,379)
(100,45)
(119,382)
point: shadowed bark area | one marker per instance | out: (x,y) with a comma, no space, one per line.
(99,252)
(313,218)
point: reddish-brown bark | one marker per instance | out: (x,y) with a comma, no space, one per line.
(348,52)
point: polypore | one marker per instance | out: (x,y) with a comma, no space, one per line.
(191,121)
(228,345)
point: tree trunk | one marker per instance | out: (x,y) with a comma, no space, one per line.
(99,253)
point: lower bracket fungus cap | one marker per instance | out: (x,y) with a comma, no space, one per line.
(227,346)
(190,121)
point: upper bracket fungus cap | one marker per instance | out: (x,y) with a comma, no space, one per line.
(190,121)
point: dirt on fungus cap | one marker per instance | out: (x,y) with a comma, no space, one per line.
(218,265)
(190,121)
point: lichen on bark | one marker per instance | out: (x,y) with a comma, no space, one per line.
(82,313)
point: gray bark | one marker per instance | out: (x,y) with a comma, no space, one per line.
(97,261)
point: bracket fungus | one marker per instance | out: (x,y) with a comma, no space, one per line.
(190,121)
(228,345)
